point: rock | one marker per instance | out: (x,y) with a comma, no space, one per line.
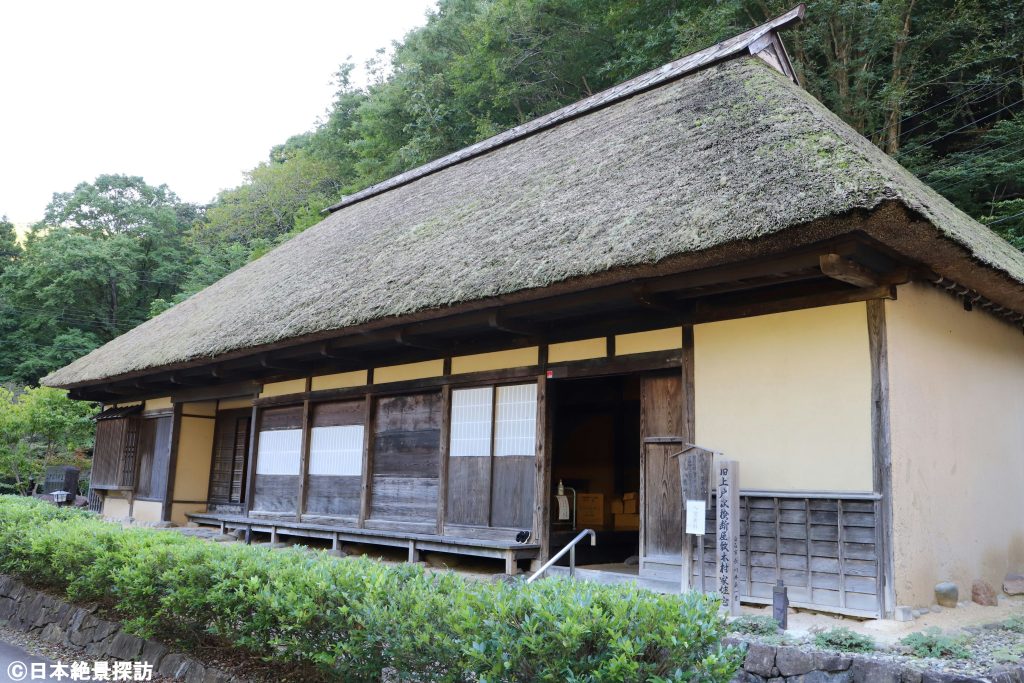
(52,633)
(903,613)
(831,661)
(632,561)
(776,679)
(1013,584)
(104,629)
(224,538)
(792,661)
(196,673)
(946,677)
(760,660)
(125,646)
(983,593)
(823,677)
(947,594)
(935,608)
(337,552)
(153,653)
(909,675)
(874,671)
(176,666)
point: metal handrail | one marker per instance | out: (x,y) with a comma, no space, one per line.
(570,548)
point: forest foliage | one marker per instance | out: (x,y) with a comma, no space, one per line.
(939,85)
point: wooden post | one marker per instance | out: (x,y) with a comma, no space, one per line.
(542,471)
(364,488)
(254,447)
(304,448)
(881,449)
(442,481)
(172,463)
(688,429)
(728,527)
(695,489)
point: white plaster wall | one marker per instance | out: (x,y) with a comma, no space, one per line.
(956,382)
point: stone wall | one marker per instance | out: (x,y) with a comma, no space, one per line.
(57,621)
(790,664)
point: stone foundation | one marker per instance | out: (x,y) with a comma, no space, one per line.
(57,621)
(790,664)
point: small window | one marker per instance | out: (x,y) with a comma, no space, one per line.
(516,423)
(494,421)
(279,452)
(336,451)
(471,422)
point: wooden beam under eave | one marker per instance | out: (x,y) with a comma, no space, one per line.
(849,271)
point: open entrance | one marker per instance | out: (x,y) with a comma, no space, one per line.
(596,453)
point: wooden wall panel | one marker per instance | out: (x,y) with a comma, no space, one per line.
(275,493)
(512,491)
(336,496)
(661,417)
(406,457)
(231,447)
(822,548)
(338,414)
(281,418)
(469,478)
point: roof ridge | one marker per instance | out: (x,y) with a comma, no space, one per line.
(651,79)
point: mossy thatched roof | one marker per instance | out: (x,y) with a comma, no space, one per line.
(729,154)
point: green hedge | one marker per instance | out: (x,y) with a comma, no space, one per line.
(349,619)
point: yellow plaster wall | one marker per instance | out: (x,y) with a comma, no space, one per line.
(199,408)
(956,388)
(583,349)
(401,373)
(292,386)
(645,342)
(195,449)
(789,396)
(498,360)
(158,404)
(115,507)
(147,510)
(179,510)
(341,380)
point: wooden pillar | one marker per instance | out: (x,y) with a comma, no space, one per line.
(442,482)
(687,429)
(172,463)
(307,427)
(542,469)
(254,447)
(881,450)
(364,488)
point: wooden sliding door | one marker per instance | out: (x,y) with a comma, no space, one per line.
(335,459)
(406,460)
(660,496)
(278,461)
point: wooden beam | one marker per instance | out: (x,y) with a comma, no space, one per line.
(403,338)
(497,320)
(849,271)
(715,312)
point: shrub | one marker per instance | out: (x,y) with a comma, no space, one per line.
(1014,623)
(755,625)
(933,643)
(843,640)
(349,619)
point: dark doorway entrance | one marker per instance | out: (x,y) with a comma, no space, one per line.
(596,451)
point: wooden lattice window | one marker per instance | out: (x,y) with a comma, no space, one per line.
(115,454)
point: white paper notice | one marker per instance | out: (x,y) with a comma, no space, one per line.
(695,512)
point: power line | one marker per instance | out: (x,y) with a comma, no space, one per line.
(1007,218)
(961,128)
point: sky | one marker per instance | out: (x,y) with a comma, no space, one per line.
(190,93)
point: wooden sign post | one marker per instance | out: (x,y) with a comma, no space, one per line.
(695,484)
(728,527)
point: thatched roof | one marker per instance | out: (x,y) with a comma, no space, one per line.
(728,154)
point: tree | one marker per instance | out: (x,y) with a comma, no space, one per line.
(38,428)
